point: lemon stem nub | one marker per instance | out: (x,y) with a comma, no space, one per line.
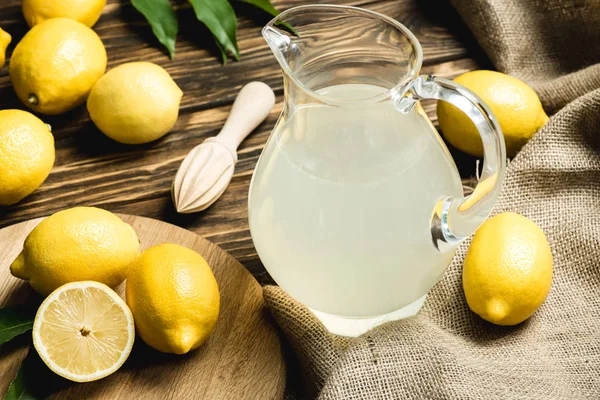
(497,309)
(33,100)
(17,268)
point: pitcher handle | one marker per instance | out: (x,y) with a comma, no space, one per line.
(456,218)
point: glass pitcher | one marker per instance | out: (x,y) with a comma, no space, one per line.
(356,206)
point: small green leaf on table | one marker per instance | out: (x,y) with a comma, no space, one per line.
(223,52)
(265,5)
(162,19)
(21,388)
(15,321)
(220,19)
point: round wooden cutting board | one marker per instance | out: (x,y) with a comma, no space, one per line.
(241,360)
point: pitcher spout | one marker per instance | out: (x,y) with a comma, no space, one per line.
(278,40)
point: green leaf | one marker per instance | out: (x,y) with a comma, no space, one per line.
(223,52)
(265,5)
(21,388)
(17,389)
(220,19)
(162,19)
(15,321)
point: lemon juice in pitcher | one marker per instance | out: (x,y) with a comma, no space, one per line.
(356,206)
(344,196)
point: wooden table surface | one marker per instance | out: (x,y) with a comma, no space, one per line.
(92,170)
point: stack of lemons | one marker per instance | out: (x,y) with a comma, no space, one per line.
(508,268)
(59,65)
(83,330)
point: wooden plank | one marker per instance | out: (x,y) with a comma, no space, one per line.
(93,170)
(196,69)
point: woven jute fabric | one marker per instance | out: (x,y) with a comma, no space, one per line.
(446,351)
(553,45)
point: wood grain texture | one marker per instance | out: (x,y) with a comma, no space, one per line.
(241,360)
(93,170)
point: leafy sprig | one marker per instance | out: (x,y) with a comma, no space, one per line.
(14,322)
(217,15)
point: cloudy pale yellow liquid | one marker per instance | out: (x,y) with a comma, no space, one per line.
(341,203)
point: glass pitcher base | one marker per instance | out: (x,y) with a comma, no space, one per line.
(353,327)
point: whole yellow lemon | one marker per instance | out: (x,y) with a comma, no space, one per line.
(508,269)
(135,103)
(5,40)
(55,65)
(85,11)
(26,155)
(78,244)
(174,298)
(516,106)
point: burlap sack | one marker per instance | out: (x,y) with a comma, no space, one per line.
(554,45)
(447,352)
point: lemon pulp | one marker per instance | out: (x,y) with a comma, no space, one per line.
(83,331)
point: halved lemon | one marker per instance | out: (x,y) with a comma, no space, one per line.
(83,331)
